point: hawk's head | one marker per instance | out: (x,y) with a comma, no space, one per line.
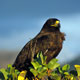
(51,24)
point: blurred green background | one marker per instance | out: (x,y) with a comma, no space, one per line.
(21,20)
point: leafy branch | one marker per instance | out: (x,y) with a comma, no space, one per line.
(42,71)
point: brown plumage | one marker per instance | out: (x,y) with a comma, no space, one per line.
(49,41)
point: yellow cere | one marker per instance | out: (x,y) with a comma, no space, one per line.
(56,23)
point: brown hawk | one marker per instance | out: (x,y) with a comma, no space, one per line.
(49,41)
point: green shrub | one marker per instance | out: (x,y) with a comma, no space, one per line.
(42,71)
(9,74)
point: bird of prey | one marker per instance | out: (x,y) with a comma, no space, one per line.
(49,41)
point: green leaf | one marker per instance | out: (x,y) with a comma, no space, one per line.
(38,59)
(53,61)
(12,72)
(42,69)
(4,73)
(66,67)
(38,55)
(35,73)
(35,64)
(54,74)
(41,59)
(17,72)
(9,66)
(44,60)
(2,76)
(60,70)
(58,77)
(42,74)
(66,73)
(52,67)
(14,76)
(41,56)
(53,64)
(77,69)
